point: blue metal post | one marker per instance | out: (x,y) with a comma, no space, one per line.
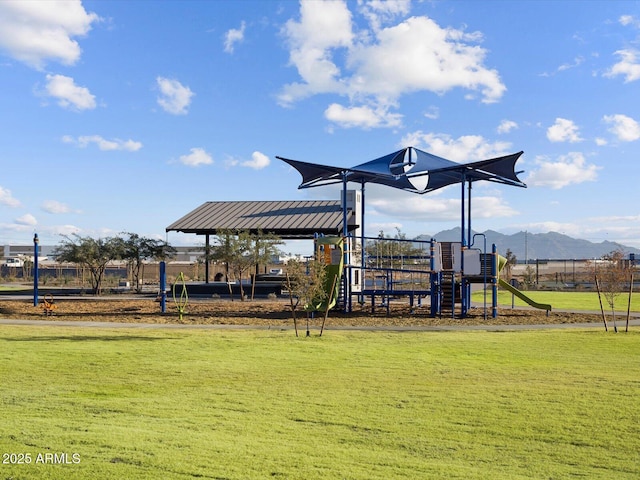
(35,270)
(345,233)
(435,292)
(494,282)
(163,287)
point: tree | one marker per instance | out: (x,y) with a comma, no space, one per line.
(236,251)
(94,254)
(305,282)
(137,249)
(612,278)
(264,248)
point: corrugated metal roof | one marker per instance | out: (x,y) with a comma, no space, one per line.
(287,219)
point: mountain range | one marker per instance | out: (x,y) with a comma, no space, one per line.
(530,246)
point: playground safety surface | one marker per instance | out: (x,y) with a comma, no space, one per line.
(276,313)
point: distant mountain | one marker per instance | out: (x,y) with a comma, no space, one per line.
(526,245)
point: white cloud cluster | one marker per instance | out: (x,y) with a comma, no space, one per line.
(462,149)
(438,208)
(628,66)
(563,130)
(36,31)
(103,144)
(258,161)
(174,97)
(55,207)
(625,128)
(378,12)
(69,94)
(6,198)
(380,65)
(197,157)
(362,116)
(27,220)
(233,36)
(506,126)
(566,170)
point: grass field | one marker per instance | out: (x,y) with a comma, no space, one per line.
(565,300)
(180,404)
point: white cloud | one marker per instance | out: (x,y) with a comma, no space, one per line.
(233,36)
(197,157)
(627,20)
(437,208)
(69,94)
(506,126)
(628,66)
(258,161)
(55,207)
(432,113)
(567,170)
(27,219)
(323,27)
(381,65)
(6,198)
(563,130)
(381,11)
(103,144)
(34,32)
(626,129)
(363,117)
(175,98)
(463,149)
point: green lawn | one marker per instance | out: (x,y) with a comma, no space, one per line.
(180,404)
(564,300)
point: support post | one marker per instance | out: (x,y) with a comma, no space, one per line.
(494,281)
(163,287)
(35,270)
(207,253)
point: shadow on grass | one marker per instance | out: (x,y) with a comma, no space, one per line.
(85,338)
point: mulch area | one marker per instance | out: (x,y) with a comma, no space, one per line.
(267,313)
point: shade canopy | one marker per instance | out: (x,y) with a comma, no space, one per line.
(412,170)
(287,219)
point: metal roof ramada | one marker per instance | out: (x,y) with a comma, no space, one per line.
(286,219)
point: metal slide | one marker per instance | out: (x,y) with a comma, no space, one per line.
(522,296)
(502,261)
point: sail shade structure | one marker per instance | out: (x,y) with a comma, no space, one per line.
(397,170)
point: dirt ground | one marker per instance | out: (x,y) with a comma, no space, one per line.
(267,313)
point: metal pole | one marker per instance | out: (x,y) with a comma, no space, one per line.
(469,216)
(163,287)
(494,281)
(345,232)
(207,253)
(462,239)
(35,270)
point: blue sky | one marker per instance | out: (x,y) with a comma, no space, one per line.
(124,116)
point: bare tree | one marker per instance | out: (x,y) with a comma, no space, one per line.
(264,247)
(612,277)
(235,250)
(306,285)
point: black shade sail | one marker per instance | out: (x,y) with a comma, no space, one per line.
(407,170)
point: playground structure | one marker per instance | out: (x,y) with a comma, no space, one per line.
(434,275)
(446,274)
